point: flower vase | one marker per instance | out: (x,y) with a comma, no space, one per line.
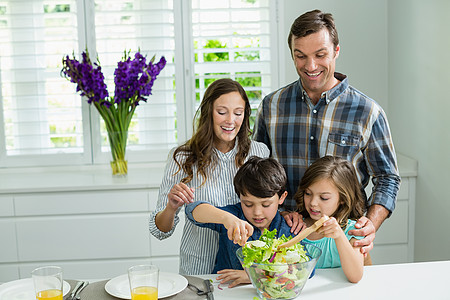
(118,144)
(119,167)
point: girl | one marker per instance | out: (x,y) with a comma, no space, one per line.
(207,163)
(330,187)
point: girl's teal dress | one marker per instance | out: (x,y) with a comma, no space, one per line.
(330,256)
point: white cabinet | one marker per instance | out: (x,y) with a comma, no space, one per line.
(97,230)
(394,241)
(96,226)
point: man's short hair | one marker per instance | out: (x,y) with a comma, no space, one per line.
(312,22)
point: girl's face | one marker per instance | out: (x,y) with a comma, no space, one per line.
(228,115)
(321,198)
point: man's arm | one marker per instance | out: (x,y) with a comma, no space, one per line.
(368,225)
(377,214)
(381,160)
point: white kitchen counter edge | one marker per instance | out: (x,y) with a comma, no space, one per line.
(94,178)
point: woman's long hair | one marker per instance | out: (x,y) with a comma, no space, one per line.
(342,173)
(199,149)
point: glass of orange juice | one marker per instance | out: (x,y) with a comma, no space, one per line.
(144,282)
(48,283)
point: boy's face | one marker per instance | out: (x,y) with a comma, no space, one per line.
(261,211)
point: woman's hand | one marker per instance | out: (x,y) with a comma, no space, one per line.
(180,194)
(235,276)
(294,220)
(238,230)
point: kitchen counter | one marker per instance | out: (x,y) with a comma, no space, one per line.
(66,179)
(140,176)
(428,280)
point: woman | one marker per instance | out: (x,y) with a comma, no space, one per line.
(203,169)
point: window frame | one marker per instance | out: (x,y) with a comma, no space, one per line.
(184,90)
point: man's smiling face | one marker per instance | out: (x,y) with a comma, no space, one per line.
(315,60)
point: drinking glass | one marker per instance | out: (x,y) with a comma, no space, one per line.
(48,283)
(143,282)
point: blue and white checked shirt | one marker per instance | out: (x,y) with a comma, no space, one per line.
(344,123)
(199,246)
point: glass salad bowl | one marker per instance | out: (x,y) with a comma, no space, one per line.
(282,278)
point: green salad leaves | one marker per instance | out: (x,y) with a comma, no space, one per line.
(276,274)
(264,250)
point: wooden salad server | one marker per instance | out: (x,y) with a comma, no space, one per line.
(304,233)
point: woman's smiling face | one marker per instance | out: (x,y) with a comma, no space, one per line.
(228,115)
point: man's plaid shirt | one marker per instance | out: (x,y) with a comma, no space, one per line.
(344,123)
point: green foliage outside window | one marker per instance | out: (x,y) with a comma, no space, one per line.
(251,81)
(216,56)
(56,8)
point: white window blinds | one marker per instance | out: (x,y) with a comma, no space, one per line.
(147,26)
(41,114)
(44,122)
(232,39)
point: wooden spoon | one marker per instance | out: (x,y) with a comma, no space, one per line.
(304,233)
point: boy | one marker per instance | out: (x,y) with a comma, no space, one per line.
(260,184)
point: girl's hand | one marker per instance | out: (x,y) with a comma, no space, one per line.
(235,276)
(331,229)
(238,230)
(180,194)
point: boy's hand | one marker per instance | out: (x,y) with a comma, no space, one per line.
(180,194)
(238,230)
(294,220)
(236,276)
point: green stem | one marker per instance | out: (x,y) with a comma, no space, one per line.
(116,122)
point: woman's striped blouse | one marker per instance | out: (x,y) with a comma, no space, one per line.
(199,245)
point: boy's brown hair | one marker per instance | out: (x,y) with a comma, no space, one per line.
(260,177)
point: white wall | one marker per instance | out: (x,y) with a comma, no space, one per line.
(398,53)
(419,79)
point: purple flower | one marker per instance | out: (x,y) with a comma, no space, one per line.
(134,78)
(88,78)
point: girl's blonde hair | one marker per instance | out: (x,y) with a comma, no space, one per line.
(342,173)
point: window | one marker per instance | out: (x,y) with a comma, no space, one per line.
(232,39)
(44,122)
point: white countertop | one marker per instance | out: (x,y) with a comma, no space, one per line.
(86,178)
(426,280)
(429,280)
(89,178)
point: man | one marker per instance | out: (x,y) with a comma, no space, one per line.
(321,114)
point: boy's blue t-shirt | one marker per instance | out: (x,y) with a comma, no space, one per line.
(226,256)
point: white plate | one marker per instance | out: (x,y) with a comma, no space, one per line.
(169,284)
(23,289)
